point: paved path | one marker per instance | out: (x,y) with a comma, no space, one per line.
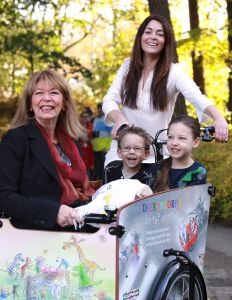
(218,263)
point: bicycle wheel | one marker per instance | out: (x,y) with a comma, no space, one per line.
(178,288)
(173,283)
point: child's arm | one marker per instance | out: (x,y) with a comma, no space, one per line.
(145,192)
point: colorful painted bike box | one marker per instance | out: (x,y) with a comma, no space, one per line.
(56,265)
(176,219)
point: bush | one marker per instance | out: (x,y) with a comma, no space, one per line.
(7,111)
(217,159)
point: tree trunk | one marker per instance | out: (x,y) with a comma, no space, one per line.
(229,11)
(197,60)
(160,7)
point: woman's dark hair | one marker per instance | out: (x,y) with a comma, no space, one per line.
(159,81)
(188,121)
(161,182)
(134,130)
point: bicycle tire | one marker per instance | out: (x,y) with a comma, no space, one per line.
(173,283)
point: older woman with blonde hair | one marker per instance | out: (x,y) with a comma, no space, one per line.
(42,175)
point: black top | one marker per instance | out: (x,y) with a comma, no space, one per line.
(178,178)
(113,171)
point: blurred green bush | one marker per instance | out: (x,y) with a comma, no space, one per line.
(7,111)
(217,159)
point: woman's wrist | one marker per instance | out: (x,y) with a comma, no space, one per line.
(215,114)
(117,117)
(220,124)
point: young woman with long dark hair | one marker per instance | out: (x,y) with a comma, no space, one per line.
(146,86)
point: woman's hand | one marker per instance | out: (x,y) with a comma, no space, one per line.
(116,127)
(221,131)
(78,219)
(65,216)
(220,125)
(119,119)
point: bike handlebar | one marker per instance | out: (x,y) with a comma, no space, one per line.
(177,253)
(208,134)
(157,144)
(99,219)
(106,218)
(123,126)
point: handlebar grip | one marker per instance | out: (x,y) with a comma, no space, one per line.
(99,219)
(123,126)
(208,129)
(211,130)
(208,134)
(168,252)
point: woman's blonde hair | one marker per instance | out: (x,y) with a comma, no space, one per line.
(68,118)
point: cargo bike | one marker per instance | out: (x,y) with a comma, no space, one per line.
(151,248)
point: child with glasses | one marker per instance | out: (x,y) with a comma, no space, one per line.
(133,148)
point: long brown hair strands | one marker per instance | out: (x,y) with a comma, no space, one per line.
(159,81)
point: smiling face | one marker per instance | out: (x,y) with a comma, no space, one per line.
(181,142)
(153,39)
(47,103)
(132,152)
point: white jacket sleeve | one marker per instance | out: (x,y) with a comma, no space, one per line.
(188,88)
(112,99)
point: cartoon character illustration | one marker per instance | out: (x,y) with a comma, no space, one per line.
(182,233)
(50,279)
(102,295)
(4,293)
(57,287)
(62,263)
(200,214)
(136,243)
(13,267)
(43,293)
(90,266)
(194,225)
(28,265)
(84,280)
(123,253)
(39,262)
(15,291)
(188,233)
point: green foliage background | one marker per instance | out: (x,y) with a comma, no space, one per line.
(217,159)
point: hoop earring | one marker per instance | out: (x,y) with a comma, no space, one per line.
(31,115)
(63,112)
